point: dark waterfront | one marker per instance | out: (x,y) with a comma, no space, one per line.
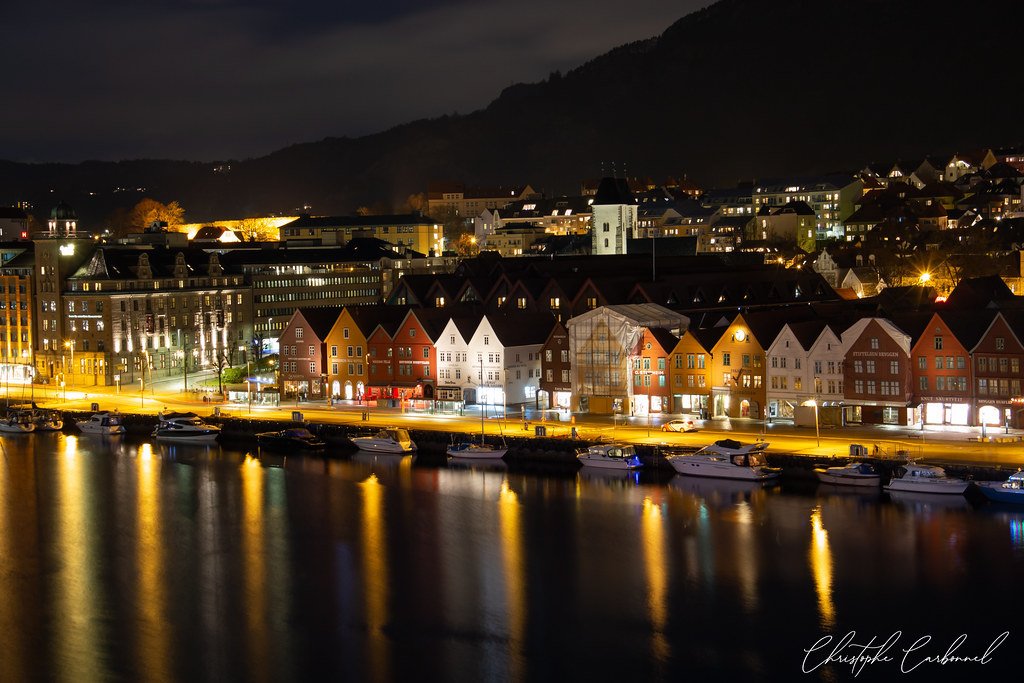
(122,560)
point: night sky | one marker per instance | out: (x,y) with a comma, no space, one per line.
(219,79)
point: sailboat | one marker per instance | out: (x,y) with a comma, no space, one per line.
(467,450)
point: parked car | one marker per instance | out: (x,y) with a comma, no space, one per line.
(686,423)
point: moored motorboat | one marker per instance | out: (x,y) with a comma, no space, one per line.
(388,440)
(298,438)
(726,459)
(185,428)
(925,479)
(1009,491)
(852,474)
(611,456)
(102,423)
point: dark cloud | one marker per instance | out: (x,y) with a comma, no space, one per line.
(206,79)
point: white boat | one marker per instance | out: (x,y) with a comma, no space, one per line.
(185,428)
(102,423)
(1009,491)
(925,479)
(388,440)
(726,459)
(476,451)
(17,423)
(609,456)
(852,474)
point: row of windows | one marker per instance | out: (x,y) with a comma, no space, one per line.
(998,387)
(305,282)
(888,387)
(356,352)
(305,294)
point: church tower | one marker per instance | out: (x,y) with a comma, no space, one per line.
(63,222)
(614,217)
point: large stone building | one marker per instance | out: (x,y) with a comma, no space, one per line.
(406,231)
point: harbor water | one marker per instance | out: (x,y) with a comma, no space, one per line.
(126,560)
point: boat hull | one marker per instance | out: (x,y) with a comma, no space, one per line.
(951,487)
(371,445)
(476,452)
(686,466)
(994,491)
(187,438)
(848,479)
(107,431)
(609,463)
(17,428)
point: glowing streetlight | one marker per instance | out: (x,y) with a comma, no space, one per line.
(925,278)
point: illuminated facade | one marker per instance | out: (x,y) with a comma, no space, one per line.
(120,315)
(409,231)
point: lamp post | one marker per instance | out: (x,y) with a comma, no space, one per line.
(70,344)
(142,392)
(183,357)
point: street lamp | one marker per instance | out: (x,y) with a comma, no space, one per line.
(142,392)
(70,344)
(181,356)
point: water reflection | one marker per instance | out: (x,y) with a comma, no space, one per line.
(821,567)
(514,578)
(207,565)
(154,635)
(653,530)
(254,557)
(79,628)
(375,577)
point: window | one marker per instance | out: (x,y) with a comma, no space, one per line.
(870,367)
(922,363)
(312,368)
(874,343)
(940,383)
(312,351)
(334,352)
(938,343)
(1000,343)
(487,340)
(298,333)
(426,352)
(690,361)
(547,355)
(726,359)
(923,383)
(938,362)
(894,367)
(700,362)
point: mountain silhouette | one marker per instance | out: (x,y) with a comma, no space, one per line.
(742,89)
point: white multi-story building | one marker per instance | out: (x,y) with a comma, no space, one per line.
(833,199)
(505,356)
(454,371)
(805,366)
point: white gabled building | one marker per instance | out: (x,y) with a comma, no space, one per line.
(455,373)
(805,366)
(504,357)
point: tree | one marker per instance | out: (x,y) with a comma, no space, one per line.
(258,230)
(147,211)
(415,202)
(466,245)
(222,360)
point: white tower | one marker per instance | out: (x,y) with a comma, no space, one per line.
(614,217)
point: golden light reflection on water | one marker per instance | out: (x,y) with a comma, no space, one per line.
(12,645)
(77,629)
(653,531)
(254,568)
(154,635)
(375,577)
(821,566)
(509,511)
(746,555)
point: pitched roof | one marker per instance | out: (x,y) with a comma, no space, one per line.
(321,320)
(978,292)
(666,339)
(520,328)
(614,191)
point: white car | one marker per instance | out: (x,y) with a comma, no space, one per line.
(686,423)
